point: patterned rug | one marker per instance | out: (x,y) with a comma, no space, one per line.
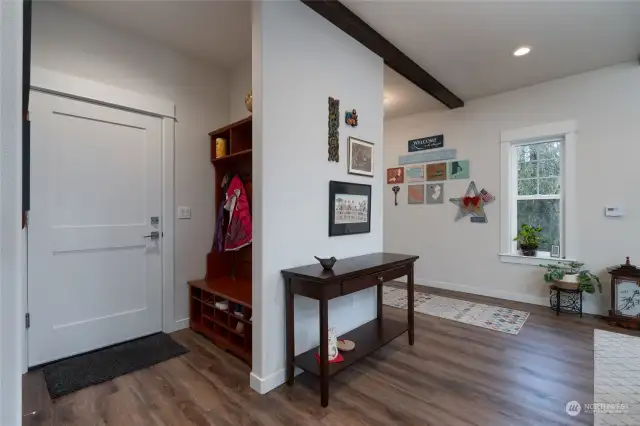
(616,379)
(486,316)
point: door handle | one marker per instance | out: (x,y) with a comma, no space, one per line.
(155,235)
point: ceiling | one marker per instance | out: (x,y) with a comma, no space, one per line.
(466,45)
(191,27)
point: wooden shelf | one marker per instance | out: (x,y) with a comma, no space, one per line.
(368,338)
(235,290)
(228,127)
(216,324)
(231,157)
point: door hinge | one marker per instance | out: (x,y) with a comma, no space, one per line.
(27,320)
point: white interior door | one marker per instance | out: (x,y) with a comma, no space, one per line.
(93,278)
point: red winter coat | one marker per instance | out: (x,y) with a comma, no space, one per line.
(239,231)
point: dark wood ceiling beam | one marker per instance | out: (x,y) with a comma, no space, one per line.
(340,16)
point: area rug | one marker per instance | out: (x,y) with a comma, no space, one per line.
(72,374)
(486,316)
(616,379)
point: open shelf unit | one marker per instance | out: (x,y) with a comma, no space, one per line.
(230,328)
(228,275)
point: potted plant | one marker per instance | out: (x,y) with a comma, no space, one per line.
(528,239)
(571,276)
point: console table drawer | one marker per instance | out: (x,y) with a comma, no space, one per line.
(357,284)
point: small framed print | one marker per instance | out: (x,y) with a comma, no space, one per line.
(360,158)
(555,251)
(395,175)
(415,194)
(437,171)
(415,174)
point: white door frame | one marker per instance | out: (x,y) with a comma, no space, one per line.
(11,234)
(60,84)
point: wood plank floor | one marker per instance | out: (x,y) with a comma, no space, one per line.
(456,374)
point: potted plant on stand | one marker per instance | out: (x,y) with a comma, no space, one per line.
(571,276)
(528,239)
(568,281)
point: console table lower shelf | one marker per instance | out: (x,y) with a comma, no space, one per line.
(368,337)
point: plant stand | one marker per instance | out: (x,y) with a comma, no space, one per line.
(566,300)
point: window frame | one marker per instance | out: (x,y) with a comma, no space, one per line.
(567,130)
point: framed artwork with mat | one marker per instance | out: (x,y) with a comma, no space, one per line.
(349,208)
(360,157)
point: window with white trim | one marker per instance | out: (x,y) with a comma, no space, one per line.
(538,188)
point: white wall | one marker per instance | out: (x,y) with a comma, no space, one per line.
(464,256)
(11,235)
(239,86)
(67,42)
(299,60)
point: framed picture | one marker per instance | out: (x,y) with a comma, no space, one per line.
(395,175)
(415,194)
(437,171)
(459,169)
(349,208)
(555,251)
(415,174)
(435,193)
(360,157)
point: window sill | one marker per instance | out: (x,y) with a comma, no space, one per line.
(543,257)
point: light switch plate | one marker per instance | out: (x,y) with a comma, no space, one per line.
(184,212)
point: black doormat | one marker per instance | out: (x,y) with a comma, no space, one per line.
(78,372)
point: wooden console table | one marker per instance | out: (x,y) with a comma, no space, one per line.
(348,276)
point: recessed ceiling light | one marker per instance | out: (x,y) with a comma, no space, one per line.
(521,51)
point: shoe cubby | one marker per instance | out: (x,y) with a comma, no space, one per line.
(216,316)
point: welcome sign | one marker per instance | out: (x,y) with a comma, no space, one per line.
(430,142)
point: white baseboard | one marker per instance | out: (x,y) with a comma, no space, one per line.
(181,324)
(588,308)
(272,381)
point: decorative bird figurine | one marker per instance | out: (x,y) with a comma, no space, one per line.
(326,263)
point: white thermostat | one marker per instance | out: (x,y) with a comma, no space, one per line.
(612,211)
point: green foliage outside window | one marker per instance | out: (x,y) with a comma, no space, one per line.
(539,175)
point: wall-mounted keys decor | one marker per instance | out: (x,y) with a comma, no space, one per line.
(395,190)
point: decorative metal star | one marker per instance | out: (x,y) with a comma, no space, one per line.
(471,204)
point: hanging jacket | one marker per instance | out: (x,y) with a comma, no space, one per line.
(219,235)
(239,231)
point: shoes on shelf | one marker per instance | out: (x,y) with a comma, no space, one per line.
(223,306)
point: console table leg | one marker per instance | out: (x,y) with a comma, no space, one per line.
(410,290)
(324,352)
(380,302)
(290,333)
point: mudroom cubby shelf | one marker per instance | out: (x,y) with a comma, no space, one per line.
(220,304)
(221,325)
